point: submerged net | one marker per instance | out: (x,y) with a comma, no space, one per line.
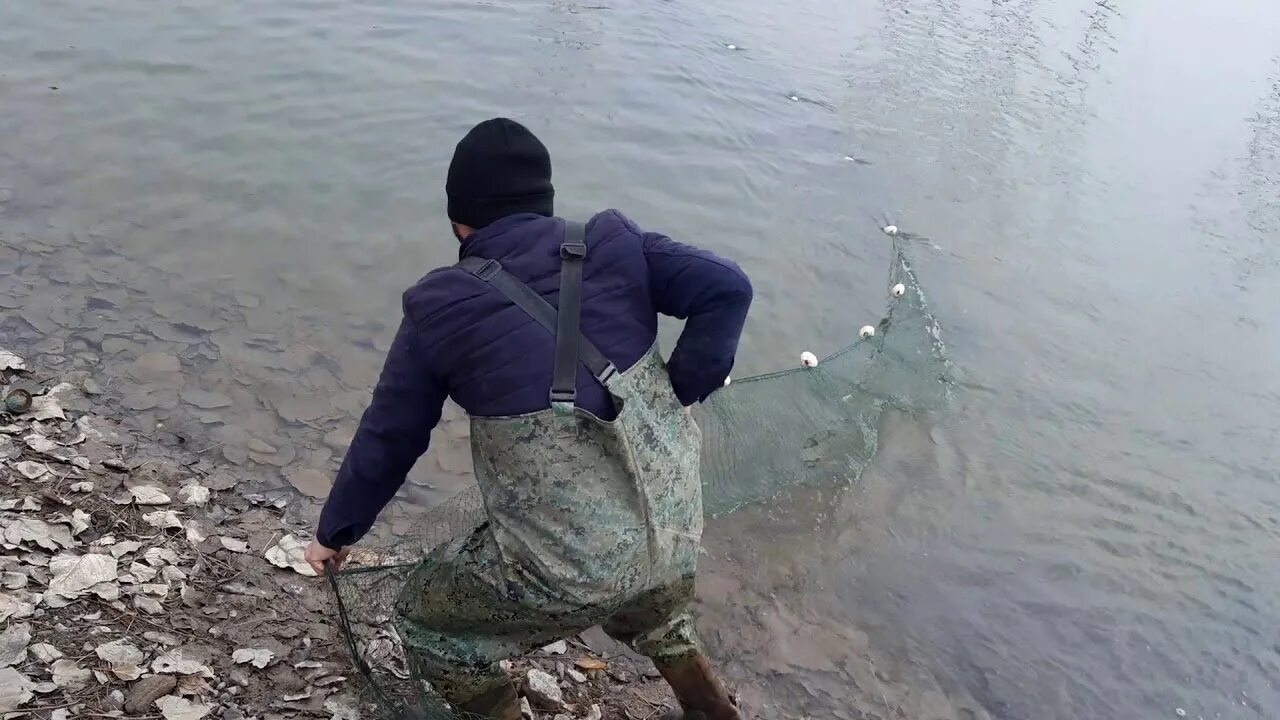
(762,436)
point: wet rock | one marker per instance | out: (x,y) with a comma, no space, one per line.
(558,647)
(148,690)
(204,399)
(542,690)
(309,482)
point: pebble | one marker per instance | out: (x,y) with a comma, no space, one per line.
(542,690)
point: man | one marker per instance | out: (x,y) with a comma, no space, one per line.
(585,453)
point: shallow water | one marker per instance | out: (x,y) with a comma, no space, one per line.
(247,187)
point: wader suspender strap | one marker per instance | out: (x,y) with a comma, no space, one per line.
(564,324)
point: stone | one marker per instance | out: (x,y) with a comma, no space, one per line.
(309,482)
(148,690)
(576,676)
(542,690)
(558,647)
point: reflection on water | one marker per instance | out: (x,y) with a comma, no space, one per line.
(213,208)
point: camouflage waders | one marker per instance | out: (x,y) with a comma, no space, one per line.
(589,521)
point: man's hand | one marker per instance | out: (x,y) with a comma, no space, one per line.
(317,554)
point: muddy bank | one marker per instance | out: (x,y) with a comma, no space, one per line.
(134,582)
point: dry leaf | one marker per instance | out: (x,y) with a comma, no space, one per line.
(288,553)
(590,663)
(180,661)
(31,470)
(148,495)
(257,657)
(66,674)
(11,361)
(193,495)
(47,407)
(163,519)
(15,690)
(73,574)
(13,644)
(173,707)
(234,545)
(38,532)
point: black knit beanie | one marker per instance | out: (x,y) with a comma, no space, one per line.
(499,169)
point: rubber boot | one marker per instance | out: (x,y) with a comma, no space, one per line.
(500,703)
(696,688)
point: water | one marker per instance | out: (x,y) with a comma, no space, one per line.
(1092,532)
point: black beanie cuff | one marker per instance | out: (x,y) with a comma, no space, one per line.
(480,212)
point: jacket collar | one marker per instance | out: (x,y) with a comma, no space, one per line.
(495,240)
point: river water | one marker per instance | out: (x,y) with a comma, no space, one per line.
(214,207)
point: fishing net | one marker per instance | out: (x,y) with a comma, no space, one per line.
(762,437)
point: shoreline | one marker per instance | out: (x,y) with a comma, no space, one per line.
(136,580)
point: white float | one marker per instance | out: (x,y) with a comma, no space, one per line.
(808,359)
(898,290)
(890,229)
(866,332)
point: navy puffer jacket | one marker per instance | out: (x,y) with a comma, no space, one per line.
(461,338)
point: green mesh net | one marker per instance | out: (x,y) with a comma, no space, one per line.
(829,436)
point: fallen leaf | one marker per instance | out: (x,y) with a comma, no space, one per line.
(173,707)
(12,607)
(38,532)
(148,605)
(66,674)
(180,661)
(13,580)
(148,495)
(590,663)
(31,470)
(80,521)
(125,547)
(44,652)
(163,519)
(158,556)
(46,407)
(84,487)
(119,651)
(193,495)
(288,553)
(234,545)
(257,657)
(73,574)
(13,644)
(39,443)
(15,690)
(11,361)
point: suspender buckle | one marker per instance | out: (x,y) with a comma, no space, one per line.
(573,251)
(563,401)
(488,270)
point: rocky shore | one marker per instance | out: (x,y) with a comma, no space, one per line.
(138,581)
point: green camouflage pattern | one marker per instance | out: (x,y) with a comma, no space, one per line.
(589,522)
